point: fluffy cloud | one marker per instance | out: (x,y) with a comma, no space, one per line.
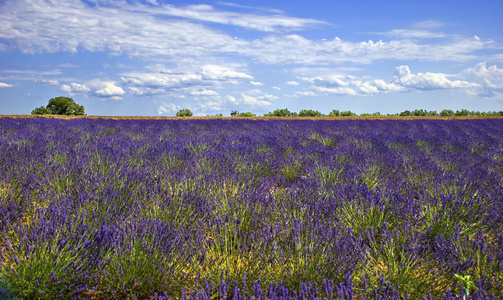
(252,98)
(5,85)
(215,72)
(258,101)
(351,85)
(489,78)
(75,88)
(200,80)
(166,108)
(427,81)
(294,83)
(295,49)
(204,93)
(404,80)
(214,106)
(105,89)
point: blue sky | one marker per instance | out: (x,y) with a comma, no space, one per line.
(155,57)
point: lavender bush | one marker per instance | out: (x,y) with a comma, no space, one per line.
(251,209)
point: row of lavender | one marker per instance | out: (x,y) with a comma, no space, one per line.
(251,209)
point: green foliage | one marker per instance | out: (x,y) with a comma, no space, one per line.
(468,285)
(447,113)
(310,113)
(347,113)
(60,106)
(245,114)
(334,113)
(463,112)
(65,106)
(281,113)
(42,110)
(184,113)
(418,113)
(376,114)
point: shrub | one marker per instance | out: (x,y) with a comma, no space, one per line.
(334,113)
(184,113)
(60,106)
(281,113)
(309,113)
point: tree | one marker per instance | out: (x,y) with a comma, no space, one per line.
(42,110)
(405,113)
(347,113)
(463,112)
(281,113)
(246,114)
(309,113)
(60,106)
(447,113)
(65,106)
(184,113)
(334,113)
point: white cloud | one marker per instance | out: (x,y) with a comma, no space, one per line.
(169,33)
(209,106)
(493,74)
(259,101)
(305,94)
(294,83)
(413,33)
(295,49)
(252,98)
(166,108)
(69,65)
(268,23)
(5,85)
(31,72)
(204,93)
(75,88)
(349,85)
(430,24)
(427,81)
(48,81)
(272,10)
(197,80)
(420,30)
(496,57)
(136,30)
(336,90)
(214,72)
(490,79)
(255,83)
(105,89)
(403,81)
(276,88)
(231,99)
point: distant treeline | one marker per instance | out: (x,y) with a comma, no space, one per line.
(336,113)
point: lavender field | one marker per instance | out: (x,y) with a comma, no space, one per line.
(251,209)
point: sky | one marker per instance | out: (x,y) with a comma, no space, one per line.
(155,57)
